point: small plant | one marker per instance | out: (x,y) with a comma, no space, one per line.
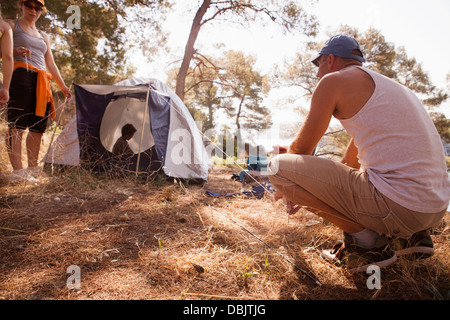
(266,261)
(159,243)
(247,273)
(158,237)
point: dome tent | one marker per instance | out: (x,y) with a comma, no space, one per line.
(165,130)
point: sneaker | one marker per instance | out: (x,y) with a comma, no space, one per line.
(357,258)
(22,176)
(36,172)
(419,246)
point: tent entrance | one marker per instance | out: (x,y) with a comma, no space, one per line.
(123,110)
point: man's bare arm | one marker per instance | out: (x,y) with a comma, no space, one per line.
(323,104)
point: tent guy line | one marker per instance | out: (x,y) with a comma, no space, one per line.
(229,157)
(111,99)
(265,243)
(112,103)
(245,229)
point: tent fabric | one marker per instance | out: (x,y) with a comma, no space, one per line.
(185,145)
(160,122)
(65,150)
(172,132)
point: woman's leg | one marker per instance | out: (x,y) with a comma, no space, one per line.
(14,147)
(33,146)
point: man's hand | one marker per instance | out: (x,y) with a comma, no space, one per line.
(278,195)
(291,207)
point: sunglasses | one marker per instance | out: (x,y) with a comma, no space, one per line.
(31,7)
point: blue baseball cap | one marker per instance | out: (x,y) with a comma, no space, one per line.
(340,46)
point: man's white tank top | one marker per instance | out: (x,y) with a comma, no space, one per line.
(400,148)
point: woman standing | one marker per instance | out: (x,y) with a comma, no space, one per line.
(31,101)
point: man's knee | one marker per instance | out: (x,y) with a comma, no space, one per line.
(273,167)
(279,168)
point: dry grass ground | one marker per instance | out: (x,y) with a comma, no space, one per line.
(134,240)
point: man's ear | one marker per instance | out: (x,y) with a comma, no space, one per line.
(330,61)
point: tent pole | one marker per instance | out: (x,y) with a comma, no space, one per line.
(142,130)
(54,131)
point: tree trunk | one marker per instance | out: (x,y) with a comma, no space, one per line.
(189,49)
(238,114)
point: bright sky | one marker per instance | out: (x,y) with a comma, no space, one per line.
(420,26)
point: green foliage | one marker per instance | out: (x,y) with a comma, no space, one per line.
(202,90)
(245,88)
(229,83)
(95,53)
(299,72)
(442,125)
(289,15)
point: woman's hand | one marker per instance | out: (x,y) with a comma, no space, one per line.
(67,92)
(22,51)
(4,97)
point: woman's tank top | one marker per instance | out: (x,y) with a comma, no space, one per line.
(37,45)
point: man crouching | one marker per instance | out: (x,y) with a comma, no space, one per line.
(392,181)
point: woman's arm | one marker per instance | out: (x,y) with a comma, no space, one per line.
(17,51)
(53,69)
(7,60)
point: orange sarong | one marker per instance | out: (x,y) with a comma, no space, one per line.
(43,92)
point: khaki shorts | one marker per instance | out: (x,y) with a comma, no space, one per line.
(350,192)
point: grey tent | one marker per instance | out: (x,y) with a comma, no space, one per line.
(166,130)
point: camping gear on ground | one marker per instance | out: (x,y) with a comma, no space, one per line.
(166,134)
(256,169)
(257,192)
